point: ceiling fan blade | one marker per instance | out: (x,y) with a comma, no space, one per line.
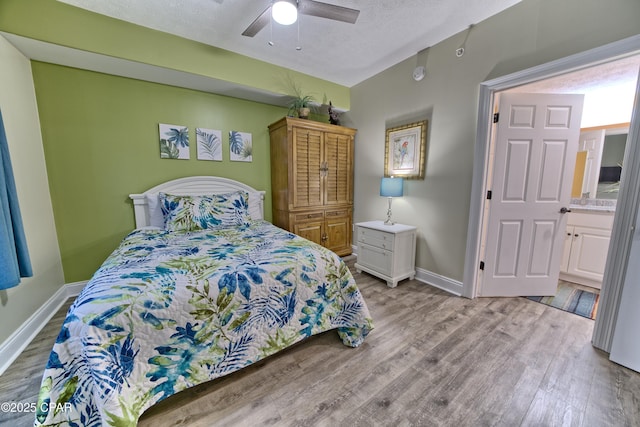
(329,11)
(260,22)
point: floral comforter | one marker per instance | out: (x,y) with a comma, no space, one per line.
(169,310)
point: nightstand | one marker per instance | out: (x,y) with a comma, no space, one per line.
(386,251)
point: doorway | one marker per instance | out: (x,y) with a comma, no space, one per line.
(608,91)
(629,198)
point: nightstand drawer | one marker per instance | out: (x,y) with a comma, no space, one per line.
(375,258)
(376,238)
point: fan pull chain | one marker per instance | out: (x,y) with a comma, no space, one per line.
(270,42)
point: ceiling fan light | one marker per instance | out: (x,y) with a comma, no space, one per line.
(284,12)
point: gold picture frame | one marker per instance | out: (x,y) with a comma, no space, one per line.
(405,150)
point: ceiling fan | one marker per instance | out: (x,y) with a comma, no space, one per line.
(305,7)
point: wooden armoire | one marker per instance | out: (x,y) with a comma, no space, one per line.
(312,181)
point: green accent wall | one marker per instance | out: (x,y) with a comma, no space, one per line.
(100,136)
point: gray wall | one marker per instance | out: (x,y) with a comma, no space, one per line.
(20,115)
(530,33)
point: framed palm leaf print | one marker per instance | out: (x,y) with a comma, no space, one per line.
(240,146)
(174,141)
(209,142)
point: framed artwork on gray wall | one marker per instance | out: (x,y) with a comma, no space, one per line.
(405,150)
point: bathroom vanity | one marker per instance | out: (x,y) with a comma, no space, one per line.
(596,182)
(586,242)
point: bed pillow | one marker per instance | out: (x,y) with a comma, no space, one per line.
(190,213)
(255,206)
(156,218)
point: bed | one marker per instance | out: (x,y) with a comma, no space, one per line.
(201,288)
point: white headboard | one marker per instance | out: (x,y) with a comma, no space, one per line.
(192,186)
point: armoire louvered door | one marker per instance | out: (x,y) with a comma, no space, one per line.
(339,173)
(312,181)
(307,171)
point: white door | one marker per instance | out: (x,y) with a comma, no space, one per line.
(592,142)
(535,152)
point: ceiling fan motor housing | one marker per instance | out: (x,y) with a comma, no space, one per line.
(305,7)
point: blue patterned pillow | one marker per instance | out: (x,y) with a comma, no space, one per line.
(189,213)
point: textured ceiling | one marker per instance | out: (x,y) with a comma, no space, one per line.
(609,90)
(386,32)
(607,76)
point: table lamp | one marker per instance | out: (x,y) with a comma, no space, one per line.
(390,188)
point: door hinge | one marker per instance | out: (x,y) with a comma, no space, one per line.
(482,265)
(496,117)
(489,195)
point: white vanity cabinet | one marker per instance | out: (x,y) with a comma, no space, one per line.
(586,247)
(386,251)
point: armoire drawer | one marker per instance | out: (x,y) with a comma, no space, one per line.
(309,216)
(376,238)
(337,213)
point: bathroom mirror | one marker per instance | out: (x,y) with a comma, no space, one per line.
(611,164)
(599,162)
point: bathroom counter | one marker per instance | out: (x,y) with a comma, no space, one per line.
(592,205)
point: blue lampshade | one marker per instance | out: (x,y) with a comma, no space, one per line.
(391,187)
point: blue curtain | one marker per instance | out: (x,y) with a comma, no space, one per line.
(14,257)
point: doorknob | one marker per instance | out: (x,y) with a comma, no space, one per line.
(564,210)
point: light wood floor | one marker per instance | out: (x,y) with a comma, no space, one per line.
(432,360)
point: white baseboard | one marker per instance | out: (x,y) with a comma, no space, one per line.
(437,281)
(11,348)
(441,282)
(73,289)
